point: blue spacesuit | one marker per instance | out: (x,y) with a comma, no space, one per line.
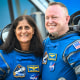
(61,59)
(19,65)
(1,41)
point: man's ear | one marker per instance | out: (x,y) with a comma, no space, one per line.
(67,18)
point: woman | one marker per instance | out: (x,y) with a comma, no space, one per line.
(21,53)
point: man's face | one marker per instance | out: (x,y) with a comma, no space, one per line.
(56,19)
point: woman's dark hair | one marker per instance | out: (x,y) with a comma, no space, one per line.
(12,42)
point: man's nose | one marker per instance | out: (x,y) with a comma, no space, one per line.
(50,20)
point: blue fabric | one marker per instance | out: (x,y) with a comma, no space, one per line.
(19,66)
(0,42)
(54,66)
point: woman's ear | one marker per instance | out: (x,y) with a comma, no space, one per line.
(14,31)
(33,32)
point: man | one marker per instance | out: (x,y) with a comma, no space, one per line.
(61,59)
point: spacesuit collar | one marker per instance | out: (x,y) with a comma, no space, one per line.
(67,33)
(22,51)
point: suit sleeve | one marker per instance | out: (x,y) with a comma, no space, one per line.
(71,55)
(4,68)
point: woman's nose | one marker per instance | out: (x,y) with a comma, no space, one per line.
(23,30)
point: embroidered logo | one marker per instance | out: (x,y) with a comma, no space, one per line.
(19,71)
(34,77)
(44,61)
(52,56)
(52,66)
(33,68)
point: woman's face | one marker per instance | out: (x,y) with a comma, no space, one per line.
(24,32)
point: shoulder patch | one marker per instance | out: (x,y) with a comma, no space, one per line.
(77,44)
